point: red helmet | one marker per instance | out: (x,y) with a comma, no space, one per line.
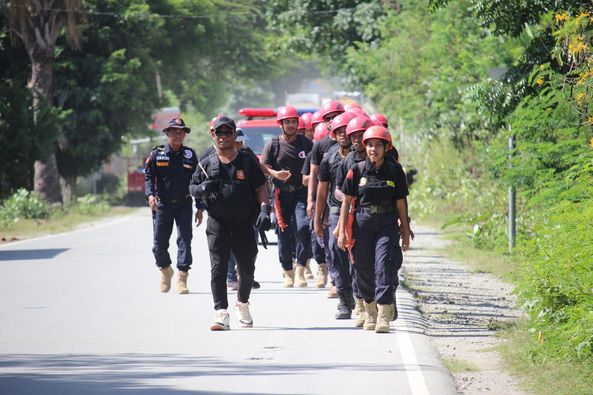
(331,107)
(377,132)
(286,112)
(341,120)
(316,118)
(320,132)
(358,124)
(306,117)
(356,111)
(213,120)
(301,124)
(352,106)
(380,119)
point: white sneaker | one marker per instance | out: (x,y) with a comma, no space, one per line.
(243,314)
(221,321)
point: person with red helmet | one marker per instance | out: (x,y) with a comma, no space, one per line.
(328,112)
(327,210)
(374,193)
(284,156)
(380,119)
(309,130)
(316,119)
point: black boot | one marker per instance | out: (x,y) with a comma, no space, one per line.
(350,299)
(344,310)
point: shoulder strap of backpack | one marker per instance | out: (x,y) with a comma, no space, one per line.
(214,166)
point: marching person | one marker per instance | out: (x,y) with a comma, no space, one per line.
(233,189)
(374,198)
(328,112)
(167,173)
(284,156)
(326,198)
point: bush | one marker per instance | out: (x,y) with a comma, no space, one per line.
(90,205)
(23,205)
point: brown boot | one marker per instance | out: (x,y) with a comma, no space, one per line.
(299,277)
(384,314)
(360,313)
(181,286)
(288,278)
(322,275)
(332,293)
(370,319)
(308,273)
(166,276)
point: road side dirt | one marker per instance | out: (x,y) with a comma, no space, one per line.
(463,309)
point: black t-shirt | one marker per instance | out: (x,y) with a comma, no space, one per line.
(320,148)
(236,199)
(352,158)
(327,173)
(376,187)
(291,156)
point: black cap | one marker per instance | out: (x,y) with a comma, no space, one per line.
(224,121)
(176,123)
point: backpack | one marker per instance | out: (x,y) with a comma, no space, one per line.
(275,148)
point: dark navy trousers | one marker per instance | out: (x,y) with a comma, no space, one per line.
(180,214)
(375,257)
(341,263)
(294,208)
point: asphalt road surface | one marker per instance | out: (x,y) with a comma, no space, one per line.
(81,313)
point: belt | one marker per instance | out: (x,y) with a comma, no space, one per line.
(176,200)
(376,209)
(335,210)
(290,188)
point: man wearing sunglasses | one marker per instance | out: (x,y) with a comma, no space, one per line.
(233,189)
(167,173)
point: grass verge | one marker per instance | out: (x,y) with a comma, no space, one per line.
(456,365)
(540,374)
(522,355)
(58,222)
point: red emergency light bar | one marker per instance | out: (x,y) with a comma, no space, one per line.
(251,112)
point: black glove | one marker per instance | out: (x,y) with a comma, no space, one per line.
(263,220)
(263,238)
(207,187)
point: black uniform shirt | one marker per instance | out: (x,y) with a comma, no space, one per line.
(236,199)
(352,158)
(320,148)
(167,173)
(291,156)
(327,173)
(376,187)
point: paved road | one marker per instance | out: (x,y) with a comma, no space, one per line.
(80,313)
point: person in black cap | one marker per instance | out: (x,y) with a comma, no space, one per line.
(233,189)
(167,172)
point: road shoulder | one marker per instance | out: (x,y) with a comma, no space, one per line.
(463,310)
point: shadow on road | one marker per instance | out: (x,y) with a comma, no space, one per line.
(27,255)
(148,374)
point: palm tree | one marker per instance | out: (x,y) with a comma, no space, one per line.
(38,24)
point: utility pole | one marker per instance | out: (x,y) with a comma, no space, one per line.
(512,198)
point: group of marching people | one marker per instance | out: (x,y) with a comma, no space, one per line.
(343,200)
(339,196)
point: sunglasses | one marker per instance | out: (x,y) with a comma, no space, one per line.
(220,133)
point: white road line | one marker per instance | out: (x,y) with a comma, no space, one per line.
(414,373)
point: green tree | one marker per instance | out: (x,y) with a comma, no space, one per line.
(38,24)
